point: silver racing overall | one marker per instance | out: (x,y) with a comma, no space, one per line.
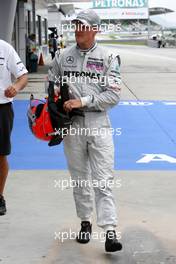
(93,76)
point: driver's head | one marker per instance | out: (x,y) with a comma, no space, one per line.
(87,25)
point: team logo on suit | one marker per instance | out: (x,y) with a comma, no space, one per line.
(70,59)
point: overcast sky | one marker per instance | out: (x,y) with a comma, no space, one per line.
(163,3)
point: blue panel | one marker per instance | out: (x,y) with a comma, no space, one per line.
(145,130)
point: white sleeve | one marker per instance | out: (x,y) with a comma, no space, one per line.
(15,65)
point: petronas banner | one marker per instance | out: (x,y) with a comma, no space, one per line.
(120,3)
(121,9)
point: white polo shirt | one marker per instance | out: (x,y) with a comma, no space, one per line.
(10,64)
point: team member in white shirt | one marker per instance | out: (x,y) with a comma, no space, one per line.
(10,65)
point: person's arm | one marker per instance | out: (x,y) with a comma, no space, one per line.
(54,72)
(19,85)
(18,70)
(111,95)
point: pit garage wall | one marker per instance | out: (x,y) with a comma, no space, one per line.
(25,25)
(7,15)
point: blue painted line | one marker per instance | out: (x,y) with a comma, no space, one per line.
(146,129)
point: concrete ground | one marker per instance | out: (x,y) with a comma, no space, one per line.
(40,213)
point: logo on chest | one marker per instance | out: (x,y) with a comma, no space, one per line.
(70,59)
(95,64)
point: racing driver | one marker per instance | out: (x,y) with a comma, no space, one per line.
(92,74)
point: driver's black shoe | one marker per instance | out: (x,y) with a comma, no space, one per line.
(111,243)
(85,232)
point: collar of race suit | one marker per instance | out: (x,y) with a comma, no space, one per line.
(87,51)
